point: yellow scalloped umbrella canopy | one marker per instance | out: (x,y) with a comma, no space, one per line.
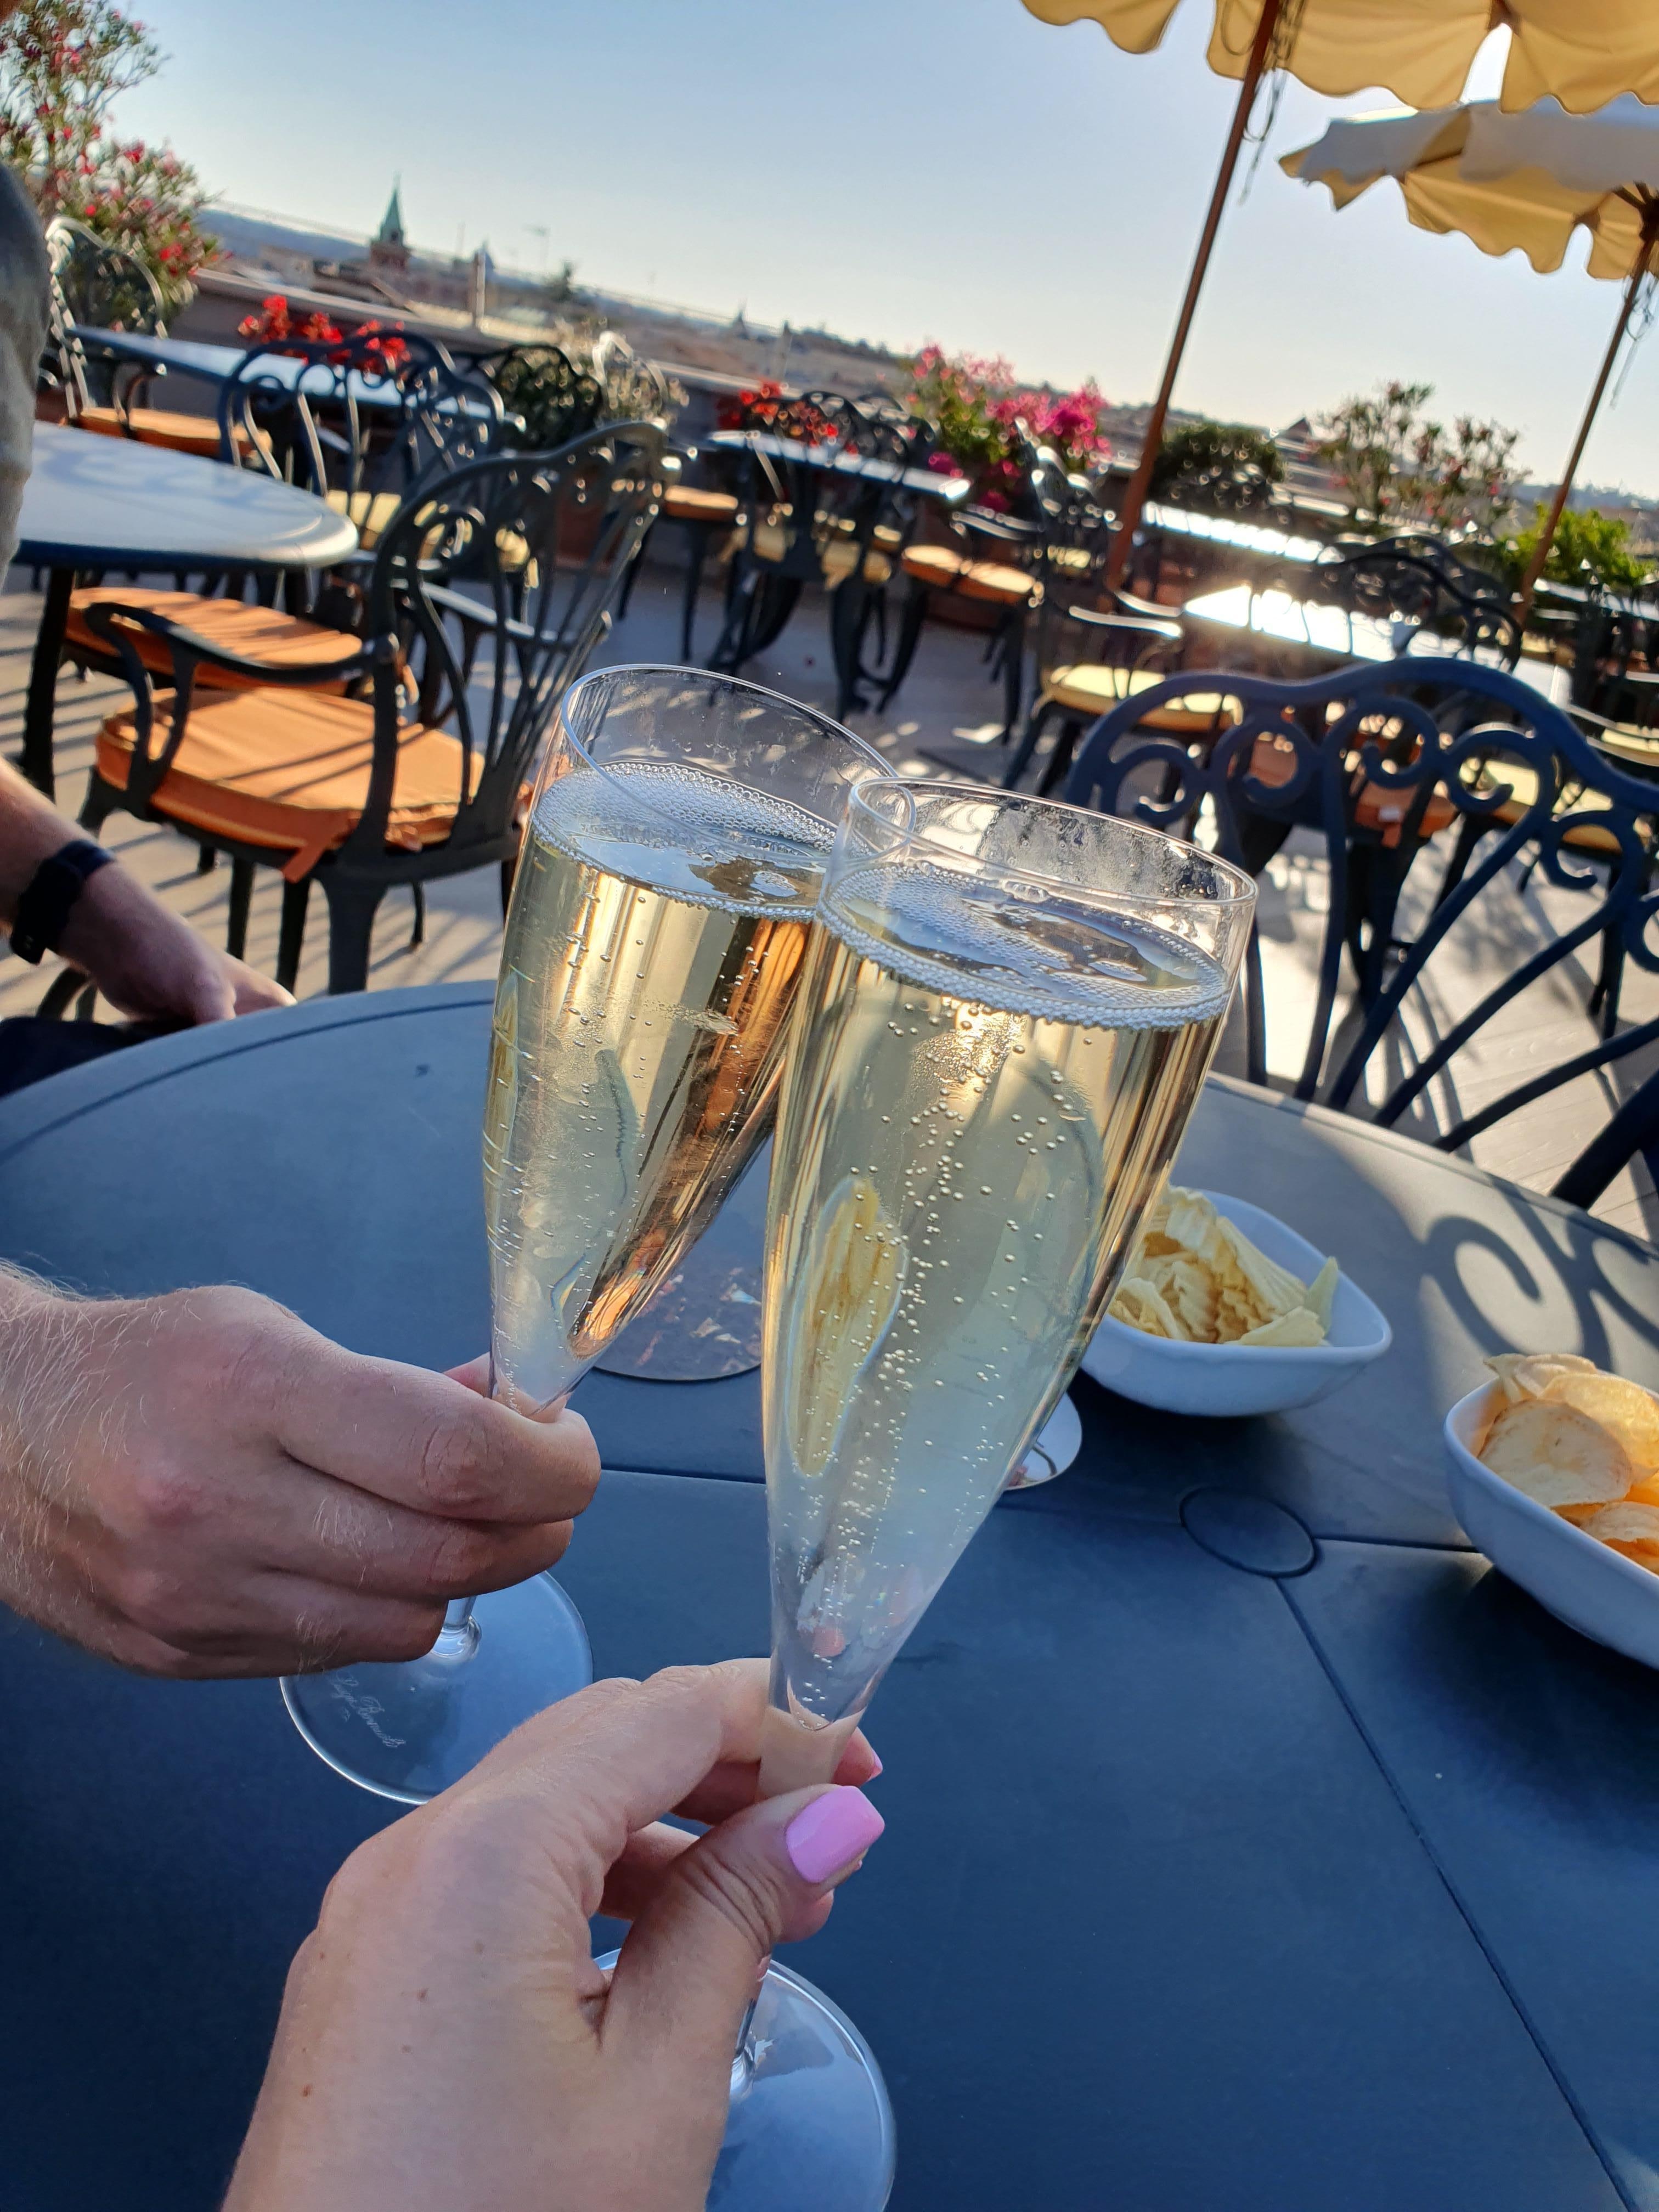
(1581,53)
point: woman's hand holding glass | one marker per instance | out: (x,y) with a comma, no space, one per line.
(447,2039)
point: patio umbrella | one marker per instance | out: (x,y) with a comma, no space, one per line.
(1515,183)
(1583,52)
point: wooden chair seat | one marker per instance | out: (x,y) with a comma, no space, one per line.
(686,503)
(254,633)
(162,426)
(1625,742)
(288,771)
(884,536)
(838,557)
(1523,785)
(1095,687)
(944,570)
(1380,807)
(368,512)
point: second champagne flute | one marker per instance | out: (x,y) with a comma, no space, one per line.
(1006,1015)
(675,842)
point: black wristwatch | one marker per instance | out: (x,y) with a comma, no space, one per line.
(44,910)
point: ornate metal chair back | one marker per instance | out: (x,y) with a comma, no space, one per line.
(363,416)
(1373,758)
(490,589)
(97,286)
(1413,579)
(810,525)
(541,388)
(1072,545)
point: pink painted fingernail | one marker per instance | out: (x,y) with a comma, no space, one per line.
(830,1834)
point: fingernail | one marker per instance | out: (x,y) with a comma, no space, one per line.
(828,1835)
(877,1768)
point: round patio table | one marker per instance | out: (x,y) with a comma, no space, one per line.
(1252,1845)
(98,503)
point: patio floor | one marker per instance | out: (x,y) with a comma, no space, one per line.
(948,694)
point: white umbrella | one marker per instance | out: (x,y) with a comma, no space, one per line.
(1520,182)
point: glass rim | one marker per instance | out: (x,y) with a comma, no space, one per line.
(1235,886)
(710,677)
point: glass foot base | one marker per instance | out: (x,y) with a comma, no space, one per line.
(705,1321)
(408,1730)
(809,2126)
(1051,1450)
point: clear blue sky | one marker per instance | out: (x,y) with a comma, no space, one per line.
(895,169)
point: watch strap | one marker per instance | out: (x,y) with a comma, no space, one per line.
(44,910)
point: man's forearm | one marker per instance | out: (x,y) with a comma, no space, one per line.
(31,830)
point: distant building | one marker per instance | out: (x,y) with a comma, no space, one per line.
(389,248)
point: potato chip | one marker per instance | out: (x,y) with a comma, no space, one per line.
(1276,1290)
(1620,1523)
(1297,1329)
(1189,1290)
(1529,1374)
(1321,1296)
(1624,1409)
(1557,1455)
(1141,1304)
(1640,1555)
(1196,1277)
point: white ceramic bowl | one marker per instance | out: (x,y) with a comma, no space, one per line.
(1243,1378)
(1603,1595)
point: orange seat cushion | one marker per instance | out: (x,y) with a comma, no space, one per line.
(1378,807)
(685,503)
(290,771)
(160,426)
(943,570)
(255,633)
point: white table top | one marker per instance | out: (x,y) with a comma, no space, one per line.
(1337,635)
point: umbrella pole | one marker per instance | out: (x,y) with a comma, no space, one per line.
(1546,535)
(1135,498)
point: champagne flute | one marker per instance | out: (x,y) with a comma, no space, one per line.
(1007,1012)
(675,842)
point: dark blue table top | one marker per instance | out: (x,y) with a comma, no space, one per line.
(93,501)
(835,460)
(217,364)
(1201,1888)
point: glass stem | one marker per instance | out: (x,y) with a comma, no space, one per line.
(743,2059)
(459,1637)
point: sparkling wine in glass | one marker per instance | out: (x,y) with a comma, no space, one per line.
(672,856)
(1006,1014)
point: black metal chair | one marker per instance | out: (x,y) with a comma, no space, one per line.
(545,398)
(1096,647)
(803,524)
(1634,1128)
(358,421)
(355,421)
(491,588)
(93,284)
(1371,757)
(1413,581)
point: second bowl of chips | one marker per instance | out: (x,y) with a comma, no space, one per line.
(1245,1377)
(1591,1581)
